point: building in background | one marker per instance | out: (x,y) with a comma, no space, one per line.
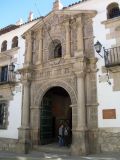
(12,50)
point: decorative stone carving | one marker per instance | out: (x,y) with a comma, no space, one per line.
(53,83)
(68,72)
(80,45)
(68,39)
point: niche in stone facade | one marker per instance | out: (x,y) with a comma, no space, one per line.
(55,49)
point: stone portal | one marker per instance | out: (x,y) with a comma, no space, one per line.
(59,81)
(55,110)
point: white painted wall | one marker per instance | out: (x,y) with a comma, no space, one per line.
(14,107)
(107,98)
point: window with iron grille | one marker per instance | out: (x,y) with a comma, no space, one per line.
(3,115)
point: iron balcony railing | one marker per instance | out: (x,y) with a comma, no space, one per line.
(112,57)
(9,78)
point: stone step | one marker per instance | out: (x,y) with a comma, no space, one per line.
(52,148)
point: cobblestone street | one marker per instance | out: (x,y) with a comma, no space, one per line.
(49,156)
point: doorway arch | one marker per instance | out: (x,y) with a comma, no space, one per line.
(55,110)
(46,86)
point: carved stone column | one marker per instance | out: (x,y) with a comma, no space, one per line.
(80,45)
(81,124)
(40,54)
(80,145)
(24,130)
(26,104)
(28,55)
(68,50)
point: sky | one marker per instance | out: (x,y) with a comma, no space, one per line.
(12,10)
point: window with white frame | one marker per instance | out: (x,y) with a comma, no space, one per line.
(4,46)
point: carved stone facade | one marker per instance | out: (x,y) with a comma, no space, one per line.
(74,71)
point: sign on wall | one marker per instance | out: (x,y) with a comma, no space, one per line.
(109,113)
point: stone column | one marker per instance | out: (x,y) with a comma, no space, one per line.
(40,54)
(80,145)
(28,58)
(81,124)
(68,50)
(24,131)
(26,105)
(80,44)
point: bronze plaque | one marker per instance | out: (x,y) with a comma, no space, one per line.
(109,114)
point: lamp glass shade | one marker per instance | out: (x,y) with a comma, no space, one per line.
(98,47)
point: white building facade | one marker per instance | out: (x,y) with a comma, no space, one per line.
(106,30)
(12,50)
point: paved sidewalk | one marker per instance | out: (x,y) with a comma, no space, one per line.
(51,156)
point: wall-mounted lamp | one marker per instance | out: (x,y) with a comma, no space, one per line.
(98,47)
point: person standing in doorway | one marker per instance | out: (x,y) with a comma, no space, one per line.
(67,135)
(61,135)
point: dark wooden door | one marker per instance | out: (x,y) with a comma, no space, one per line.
(46,122)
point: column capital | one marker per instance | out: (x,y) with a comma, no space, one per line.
(80,74)
(26,83)
(26,76)
(28,35)
(67,25)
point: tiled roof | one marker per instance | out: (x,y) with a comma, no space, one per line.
(32,20)
(13,26)
(8,29)
(73,4)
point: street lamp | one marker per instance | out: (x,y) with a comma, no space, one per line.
(98,47)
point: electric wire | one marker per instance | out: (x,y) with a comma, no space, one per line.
(44,23)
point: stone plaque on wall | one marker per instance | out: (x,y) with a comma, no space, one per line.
(109,114)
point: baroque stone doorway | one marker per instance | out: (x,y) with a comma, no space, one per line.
(55,109)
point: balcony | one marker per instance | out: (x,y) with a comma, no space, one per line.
(112,57)
(8,78)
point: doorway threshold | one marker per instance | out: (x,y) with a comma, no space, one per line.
(52,148)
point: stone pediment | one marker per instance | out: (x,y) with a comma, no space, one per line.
(58,17)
